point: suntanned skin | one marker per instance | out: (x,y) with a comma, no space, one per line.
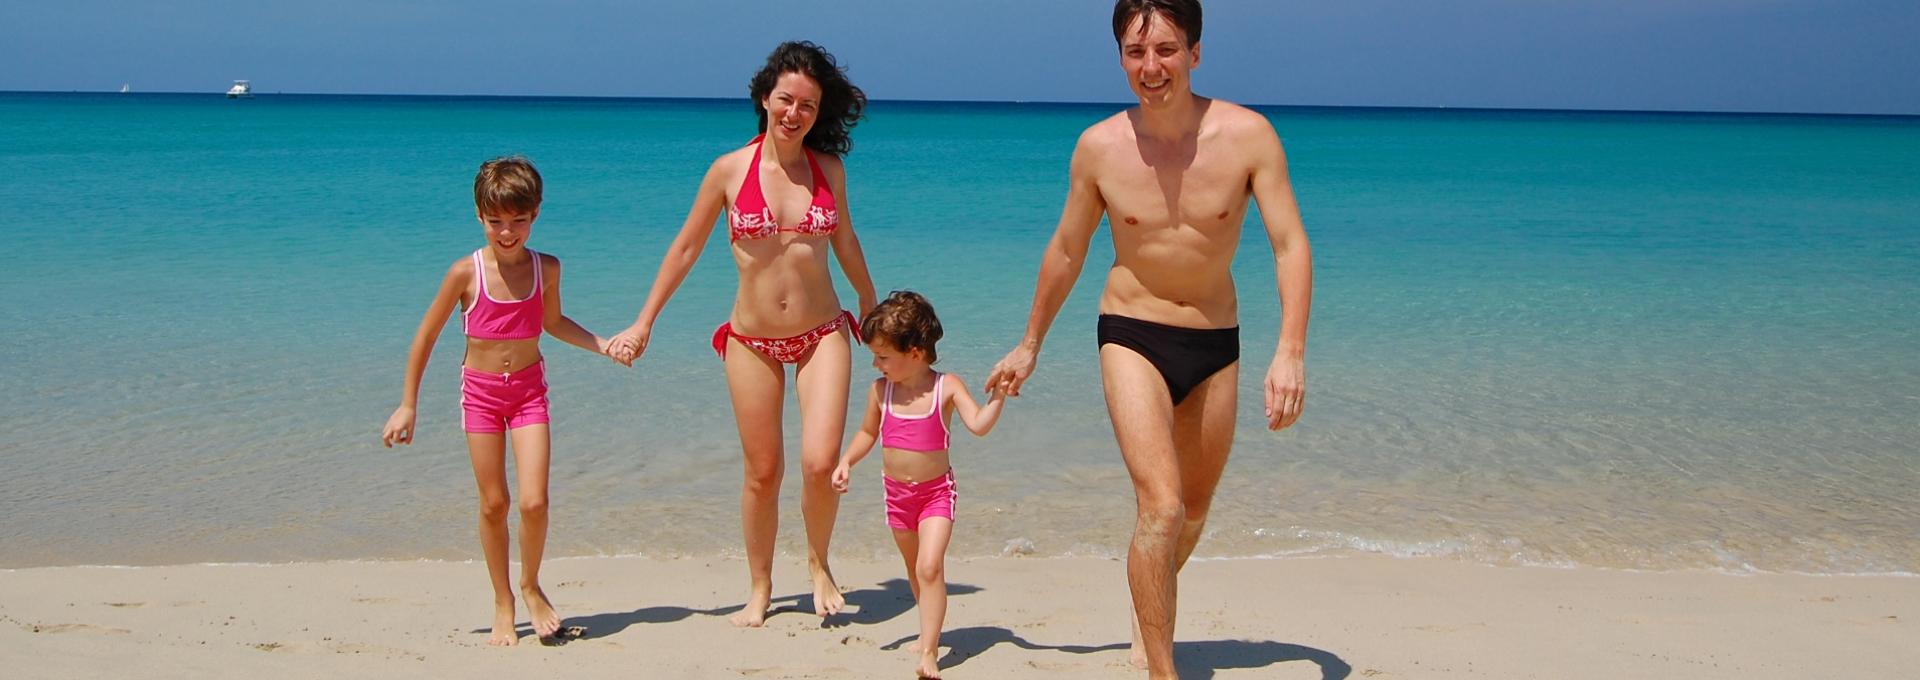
(786,289)
(508,269)
(1173,177)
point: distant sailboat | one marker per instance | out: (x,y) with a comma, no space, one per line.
(241,90)
(125,88)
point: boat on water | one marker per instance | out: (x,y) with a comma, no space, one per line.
(241,90)
(125,88)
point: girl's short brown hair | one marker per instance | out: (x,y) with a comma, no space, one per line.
(508,184)
(904,320)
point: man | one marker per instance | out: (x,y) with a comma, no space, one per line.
(1172,176)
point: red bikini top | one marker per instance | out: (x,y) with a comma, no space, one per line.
(752,218)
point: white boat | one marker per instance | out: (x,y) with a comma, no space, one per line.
(125,88)
(240,89)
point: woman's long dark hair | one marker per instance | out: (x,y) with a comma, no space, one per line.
(841,104)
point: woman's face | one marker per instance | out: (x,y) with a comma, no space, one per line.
(792,106)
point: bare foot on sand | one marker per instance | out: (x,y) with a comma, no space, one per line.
(929,667)
(755,612)
(827,599)
(503,633)
(545,621)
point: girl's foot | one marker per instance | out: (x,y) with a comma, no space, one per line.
(503,633)
(545,621)
(929,667)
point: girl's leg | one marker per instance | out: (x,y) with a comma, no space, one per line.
(488,452)
(909,543)
(532,447)
(821,379)
(757,385)
(930,571)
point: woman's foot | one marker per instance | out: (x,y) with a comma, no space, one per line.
(827,599)
(929,666)
(754,614)
(545,621)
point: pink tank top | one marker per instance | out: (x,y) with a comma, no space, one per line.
(490,319)
(924,432)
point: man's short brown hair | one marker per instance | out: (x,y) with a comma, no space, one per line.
(1183,14)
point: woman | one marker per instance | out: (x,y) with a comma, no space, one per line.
(785,198)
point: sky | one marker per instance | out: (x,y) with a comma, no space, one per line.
(1803,56)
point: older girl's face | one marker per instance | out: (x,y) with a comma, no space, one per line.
(792,106)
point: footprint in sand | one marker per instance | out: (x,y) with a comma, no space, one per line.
(73,628)
(269,646)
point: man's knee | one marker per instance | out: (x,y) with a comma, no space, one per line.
(1162,517)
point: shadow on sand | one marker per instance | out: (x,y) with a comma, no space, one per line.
(866,607)
(1195,660)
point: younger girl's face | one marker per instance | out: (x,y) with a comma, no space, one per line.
(897,365)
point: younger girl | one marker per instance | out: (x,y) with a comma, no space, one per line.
(907,412)
(511,295)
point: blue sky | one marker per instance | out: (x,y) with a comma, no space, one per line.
(1839,56)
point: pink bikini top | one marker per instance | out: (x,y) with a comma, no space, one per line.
(925,432)
(752,218)
(490,319)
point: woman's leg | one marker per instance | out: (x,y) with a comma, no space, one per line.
(821,380)
(757,385)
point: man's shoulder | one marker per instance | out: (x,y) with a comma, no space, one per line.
(1238,122)
(1114,130)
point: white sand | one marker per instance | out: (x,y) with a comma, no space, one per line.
(1358,617)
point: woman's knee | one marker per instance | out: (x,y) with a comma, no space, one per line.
(533,504)
(494,508)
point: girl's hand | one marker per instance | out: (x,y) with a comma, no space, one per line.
(399,429)
(841,475)
(1012,371)
(629,344)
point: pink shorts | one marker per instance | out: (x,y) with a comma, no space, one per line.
(907,504)
(497,402)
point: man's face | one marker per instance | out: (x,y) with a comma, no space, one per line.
(1157,59)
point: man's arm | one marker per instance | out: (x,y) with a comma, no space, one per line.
(1060,266)
(1293,267)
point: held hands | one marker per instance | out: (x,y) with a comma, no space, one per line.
(629,344)
(399,429)
(841,474)
(1012,371)
(1286,391)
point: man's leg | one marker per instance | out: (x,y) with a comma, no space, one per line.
(1142,414)
(1202,437)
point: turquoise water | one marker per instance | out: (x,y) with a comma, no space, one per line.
(1650,341)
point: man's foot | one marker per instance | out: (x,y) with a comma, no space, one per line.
(545,621)
(503,633)
(929,666)
(754,614)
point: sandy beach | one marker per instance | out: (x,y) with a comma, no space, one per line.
(1344,617)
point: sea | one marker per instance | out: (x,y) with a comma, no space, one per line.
(1621,340)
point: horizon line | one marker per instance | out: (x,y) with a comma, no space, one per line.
(1037,102)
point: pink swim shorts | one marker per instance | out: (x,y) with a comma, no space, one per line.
(907,504)
(497,402)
